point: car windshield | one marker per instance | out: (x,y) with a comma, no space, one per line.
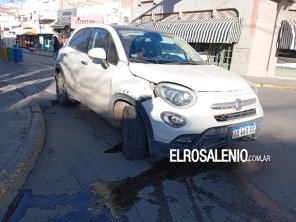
(145,46)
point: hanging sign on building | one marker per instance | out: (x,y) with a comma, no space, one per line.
(85,20)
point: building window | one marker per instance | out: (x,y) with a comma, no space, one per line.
(220,55)
(215,53)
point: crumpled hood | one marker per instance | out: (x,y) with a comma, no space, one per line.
(206,78)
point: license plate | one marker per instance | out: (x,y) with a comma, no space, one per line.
(244,130)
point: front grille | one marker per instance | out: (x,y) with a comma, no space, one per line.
(237,115)
(230,105)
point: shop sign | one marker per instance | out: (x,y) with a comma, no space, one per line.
(85,20)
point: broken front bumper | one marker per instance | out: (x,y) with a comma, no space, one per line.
(211,138)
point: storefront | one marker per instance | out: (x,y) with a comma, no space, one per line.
(287,39)
(45,42)
(212,37)
(27,41)
(26,38)
(251,53)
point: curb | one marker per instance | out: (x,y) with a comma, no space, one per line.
(278,86)
(13,176)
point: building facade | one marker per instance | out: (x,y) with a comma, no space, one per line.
(111,11)
(36,18)
(254,53)
(8,21)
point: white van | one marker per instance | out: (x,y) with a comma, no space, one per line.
(157,88)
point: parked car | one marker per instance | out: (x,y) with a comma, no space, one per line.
(157,88)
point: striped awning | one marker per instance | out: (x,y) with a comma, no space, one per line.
(287,35)
(163,26)
(210,30)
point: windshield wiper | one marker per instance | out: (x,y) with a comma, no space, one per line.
(139,60)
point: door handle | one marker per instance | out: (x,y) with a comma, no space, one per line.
(84,62)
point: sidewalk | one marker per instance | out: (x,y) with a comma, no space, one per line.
(21,134)
(22,127)
(281,83)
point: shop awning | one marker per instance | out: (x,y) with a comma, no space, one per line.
(287,35)
(163,26)
(209,30)
(22,31)
(213,30)
(30,32)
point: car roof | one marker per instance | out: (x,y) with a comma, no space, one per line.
(130,27)
(126,27)
(120,27)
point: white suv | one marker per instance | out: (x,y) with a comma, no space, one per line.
(157,88)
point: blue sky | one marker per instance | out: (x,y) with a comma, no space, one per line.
(5,1)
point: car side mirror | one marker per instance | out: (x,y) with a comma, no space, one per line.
(100,54)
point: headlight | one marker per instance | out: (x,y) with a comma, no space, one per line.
(175,94)
(254,88)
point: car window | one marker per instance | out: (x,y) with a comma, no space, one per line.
(99,39)
(156,47)
(80,39)
(112,56)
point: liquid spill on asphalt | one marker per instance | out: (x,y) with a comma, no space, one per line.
(119,196)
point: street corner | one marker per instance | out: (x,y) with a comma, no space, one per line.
(18,167)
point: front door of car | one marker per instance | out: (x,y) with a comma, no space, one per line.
(74,56)
(96,80)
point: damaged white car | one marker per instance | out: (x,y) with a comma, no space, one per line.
(157,88)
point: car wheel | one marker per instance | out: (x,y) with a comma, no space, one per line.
(134,134)
(62,95)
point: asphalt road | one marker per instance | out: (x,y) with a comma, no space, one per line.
(82,176)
